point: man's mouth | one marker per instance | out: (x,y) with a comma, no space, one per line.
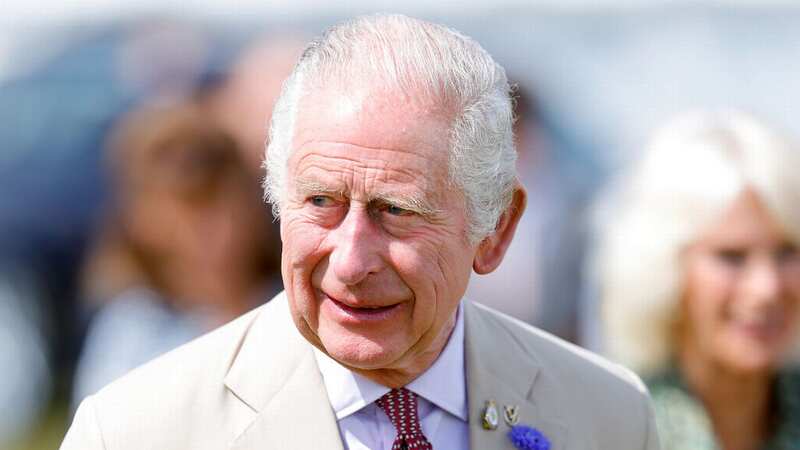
(364,312)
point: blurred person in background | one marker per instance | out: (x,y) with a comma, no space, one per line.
(537,281)
(55,109)
(244,99)
(182,251)
(698,266)
(25,374)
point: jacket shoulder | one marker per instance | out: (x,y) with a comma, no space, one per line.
(564,358)
(188,366)
(582,386)
(171,401)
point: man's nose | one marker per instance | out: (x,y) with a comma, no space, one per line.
(356,253)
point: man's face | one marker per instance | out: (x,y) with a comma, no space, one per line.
(375,250)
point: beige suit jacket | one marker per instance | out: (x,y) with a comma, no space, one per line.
(254,384)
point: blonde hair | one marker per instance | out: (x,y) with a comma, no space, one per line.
(693,170)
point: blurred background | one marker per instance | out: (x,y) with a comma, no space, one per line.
(131,135)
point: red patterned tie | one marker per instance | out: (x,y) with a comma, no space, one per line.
(401,407)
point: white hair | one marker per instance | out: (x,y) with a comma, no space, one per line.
(692,172)
(420,59)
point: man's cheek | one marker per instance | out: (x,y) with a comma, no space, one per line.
(304,249)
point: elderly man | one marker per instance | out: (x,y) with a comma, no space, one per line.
(391,167)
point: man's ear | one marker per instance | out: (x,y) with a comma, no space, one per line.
(493,247)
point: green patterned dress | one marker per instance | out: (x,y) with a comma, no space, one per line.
(684,425)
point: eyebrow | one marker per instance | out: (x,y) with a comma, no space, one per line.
(414,203)
(307,187)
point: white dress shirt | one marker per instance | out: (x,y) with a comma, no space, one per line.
(441,392)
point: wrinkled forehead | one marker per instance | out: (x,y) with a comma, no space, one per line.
(376,117)
(368,131)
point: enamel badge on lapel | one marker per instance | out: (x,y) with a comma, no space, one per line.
(490,417)
(511,414)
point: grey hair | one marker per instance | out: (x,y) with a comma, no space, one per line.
(692,172)
(418,58)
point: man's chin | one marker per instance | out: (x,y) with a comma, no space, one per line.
(362,354)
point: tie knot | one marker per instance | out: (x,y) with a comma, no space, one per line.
(400,405)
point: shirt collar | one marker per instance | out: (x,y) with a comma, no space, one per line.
(442,384)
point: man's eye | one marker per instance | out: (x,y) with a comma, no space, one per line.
(397,211)
(321,200)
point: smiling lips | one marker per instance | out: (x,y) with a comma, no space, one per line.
(763,328)
(370,313)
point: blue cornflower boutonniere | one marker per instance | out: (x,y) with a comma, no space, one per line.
(527,438)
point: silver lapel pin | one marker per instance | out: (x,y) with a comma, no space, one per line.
(490,417)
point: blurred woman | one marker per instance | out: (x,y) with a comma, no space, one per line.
(698,265)
(187,246)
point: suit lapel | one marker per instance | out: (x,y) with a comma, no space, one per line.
(275,377)
(283,403)
(501,369)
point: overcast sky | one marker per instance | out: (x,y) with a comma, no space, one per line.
(31,12)
(24,20)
